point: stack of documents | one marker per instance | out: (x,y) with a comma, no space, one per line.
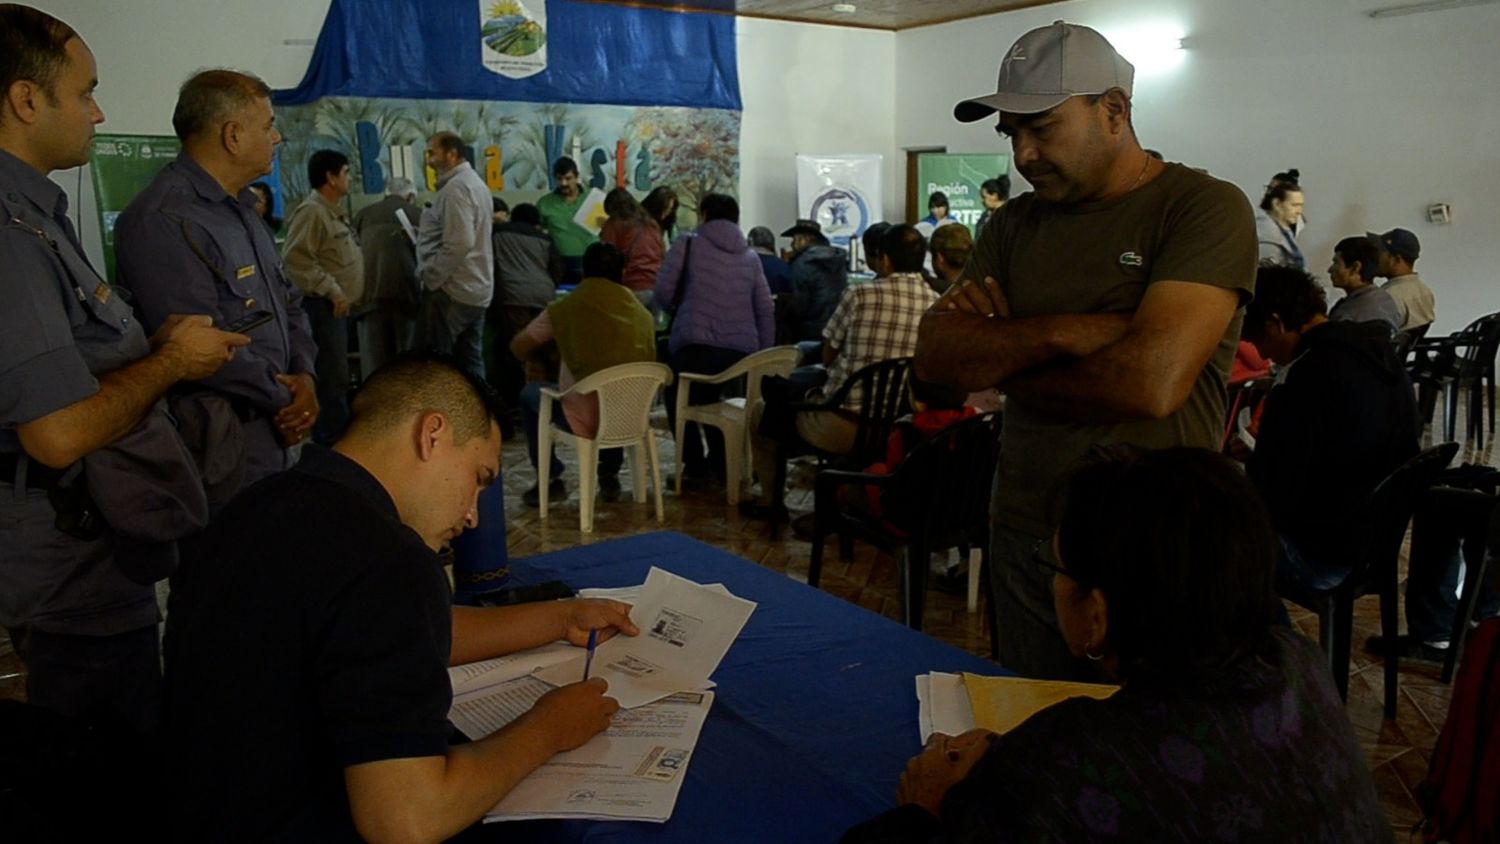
(956,703)
(634,769)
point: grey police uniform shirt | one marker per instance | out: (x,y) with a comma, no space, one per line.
(60,327)
(185,246)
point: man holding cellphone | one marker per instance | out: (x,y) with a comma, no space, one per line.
(80,385)
(191,242)
(310,632)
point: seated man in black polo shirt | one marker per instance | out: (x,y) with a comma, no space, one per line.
(310,630)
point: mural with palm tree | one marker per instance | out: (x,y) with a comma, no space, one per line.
(694,150)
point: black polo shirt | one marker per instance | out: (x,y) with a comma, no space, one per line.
(307,631)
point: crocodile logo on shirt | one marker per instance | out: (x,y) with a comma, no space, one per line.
(1131,259)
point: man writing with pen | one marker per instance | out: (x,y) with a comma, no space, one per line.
(310,631)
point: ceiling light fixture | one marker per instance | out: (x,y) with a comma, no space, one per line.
(845,8)
(1431,6)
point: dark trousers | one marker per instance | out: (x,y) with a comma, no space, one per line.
(331,333)
(505,372)
(705,360)
(572,270)
(1446,519)
(107,681)
(384,332)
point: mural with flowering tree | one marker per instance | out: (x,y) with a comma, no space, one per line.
(696,151)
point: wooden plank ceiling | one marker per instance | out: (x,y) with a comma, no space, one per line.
(867,14)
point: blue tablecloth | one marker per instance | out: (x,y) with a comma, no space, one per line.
(815,713)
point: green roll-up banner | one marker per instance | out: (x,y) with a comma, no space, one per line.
(958,175)
(121,167)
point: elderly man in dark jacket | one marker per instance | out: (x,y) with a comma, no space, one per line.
(819,274)
(387,318)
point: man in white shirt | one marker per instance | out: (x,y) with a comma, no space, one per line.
(455,258)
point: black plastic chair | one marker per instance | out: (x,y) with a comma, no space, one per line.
(937,498)
(1404,341)
(1462,361)
(882,402)
(1476,564)
(1374,546)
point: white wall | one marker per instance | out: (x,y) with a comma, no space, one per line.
(817,90)
(1383,117)
(813,89)
(145,49)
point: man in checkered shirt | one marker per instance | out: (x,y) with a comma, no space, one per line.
(873,322)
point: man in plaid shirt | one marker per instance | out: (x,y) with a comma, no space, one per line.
(873,322)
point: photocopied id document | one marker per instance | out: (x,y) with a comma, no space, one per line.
(685,631)
(632,771)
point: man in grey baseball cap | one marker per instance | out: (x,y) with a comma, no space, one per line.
(1104,303)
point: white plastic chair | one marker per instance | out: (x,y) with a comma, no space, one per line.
(729,415)
(626,393)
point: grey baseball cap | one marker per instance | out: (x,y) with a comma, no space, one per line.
(1048,65)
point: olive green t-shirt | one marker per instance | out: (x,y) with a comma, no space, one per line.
(1098,257)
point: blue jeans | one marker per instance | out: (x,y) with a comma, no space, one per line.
(458,330)
(331,333)
(610,460)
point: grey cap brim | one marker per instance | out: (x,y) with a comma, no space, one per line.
(979,108)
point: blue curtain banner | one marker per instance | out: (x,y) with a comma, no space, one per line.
(539,51)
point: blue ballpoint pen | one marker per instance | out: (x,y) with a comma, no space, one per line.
(589,660)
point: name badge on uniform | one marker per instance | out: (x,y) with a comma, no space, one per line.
(245,272)
(102,293)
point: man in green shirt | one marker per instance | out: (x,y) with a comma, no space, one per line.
(558,210)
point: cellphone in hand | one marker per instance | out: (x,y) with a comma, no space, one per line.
(249,321)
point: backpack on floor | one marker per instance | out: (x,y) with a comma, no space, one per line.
(1461,795)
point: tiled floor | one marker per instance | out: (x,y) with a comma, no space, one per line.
(1398,750)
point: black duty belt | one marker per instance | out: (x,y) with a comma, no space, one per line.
(38,475)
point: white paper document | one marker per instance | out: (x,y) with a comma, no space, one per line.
(491,672)
(685,631)
(946,706)
(631,771)
(629,594)
(411,233)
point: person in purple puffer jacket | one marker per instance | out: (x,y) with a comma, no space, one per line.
(715,285)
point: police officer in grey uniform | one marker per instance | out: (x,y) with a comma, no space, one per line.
(191,243)
(82,426)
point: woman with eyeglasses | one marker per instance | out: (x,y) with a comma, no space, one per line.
(1226,726)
